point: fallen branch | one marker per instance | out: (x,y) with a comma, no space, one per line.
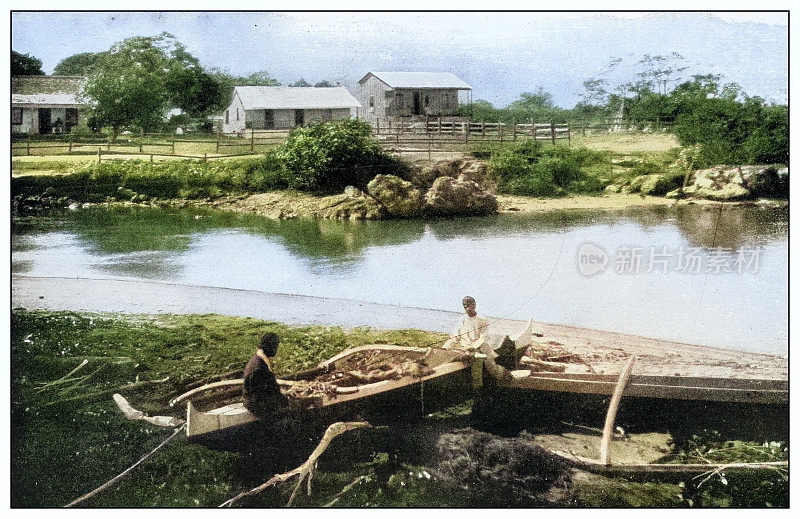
(124,473)
(306,470)
(60,380)
(347,488)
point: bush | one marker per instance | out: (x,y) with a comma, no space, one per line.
(175,179)
(730,132)
(327,157)
(530,169)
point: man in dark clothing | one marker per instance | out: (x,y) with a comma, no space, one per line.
(262,395)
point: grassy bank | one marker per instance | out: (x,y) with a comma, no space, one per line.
(68,438)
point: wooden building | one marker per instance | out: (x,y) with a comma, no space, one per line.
(276,108)
(387,95)
(46,104)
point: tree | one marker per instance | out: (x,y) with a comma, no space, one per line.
(25,65)
(300,83)
(194,91)
(128,87)
(324,84)
(83,64)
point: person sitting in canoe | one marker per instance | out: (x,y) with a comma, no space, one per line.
(474,329)
(261,393)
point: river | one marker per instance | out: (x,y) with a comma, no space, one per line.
(702,275)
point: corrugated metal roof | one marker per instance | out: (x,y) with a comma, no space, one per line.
(47,90)
(283,97)
(420,80)
(47,99)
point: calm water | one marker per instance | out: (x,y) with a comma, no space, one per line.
(517,266)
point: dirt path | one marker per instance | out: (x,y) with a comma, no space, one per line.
(606,350)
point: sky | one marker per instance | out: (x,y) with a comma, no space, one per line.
(500,54)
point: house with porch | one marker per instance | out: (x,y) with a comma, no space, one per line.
(46,104)
(388,95)
(283,107)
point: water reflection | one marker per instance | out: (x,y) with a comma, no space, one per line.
(519,266)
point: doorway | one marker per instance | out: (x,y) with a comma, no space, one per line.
(417,104)
(269,120)
(299,117)
(45,126)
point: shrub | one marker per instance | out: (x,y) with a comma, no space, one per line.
(326,157)
(528,168)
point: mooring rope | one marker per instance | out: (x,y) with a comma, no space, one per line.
(124,473)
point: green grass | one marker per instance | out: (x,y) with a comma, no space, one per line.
(62,450)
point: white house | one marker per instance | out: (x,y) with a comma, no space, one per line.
(386,95)
(46,104)
(268,108)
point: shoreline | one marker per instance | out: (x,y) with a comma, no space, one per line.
(288,205)
(657,356)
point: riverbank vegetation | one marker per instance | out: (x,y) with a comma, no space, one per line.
(399,465)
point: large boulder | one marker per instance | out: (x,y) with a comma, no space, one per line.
(398,197)
(451,196)
(738,182)
(472,169)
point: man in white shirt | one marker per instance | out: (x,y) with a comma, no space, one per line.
(473,331)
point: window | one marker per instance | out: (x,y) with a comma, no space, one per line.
(227,116)
(237,114)
(372,101)
(427,100)
(16,116)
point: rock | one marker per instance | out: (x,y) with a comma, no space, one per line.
(636,184)
(657,185)
(352,191)
(675,193)
(450,196)
(739,182)
(613,188)
(74,206)
(472,169)
(399,197)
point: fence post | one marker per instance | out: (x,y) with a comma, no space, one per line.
(252,140)
(500,131)
(426,124)
(430,145)
(569,136)
(514,122)
(70,144)
(553,132)
(29,148)
(467,127)
(141,140)
(217,150)
(99,154)
(439,122)
(151,158)
(173,145)
(399,124)
(483,130)
(205,157)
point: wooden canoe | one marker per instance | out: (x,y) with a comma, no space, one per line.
(444,380)
(709,389)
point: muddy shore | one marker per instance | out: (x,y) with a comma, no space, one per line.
(608,350)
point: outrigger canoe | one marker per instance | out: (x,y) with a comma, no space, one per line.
(524,366)
(373,381)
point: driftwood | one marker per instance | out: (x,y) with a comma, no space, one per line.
(374,376)
(306,470)
(124,473)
